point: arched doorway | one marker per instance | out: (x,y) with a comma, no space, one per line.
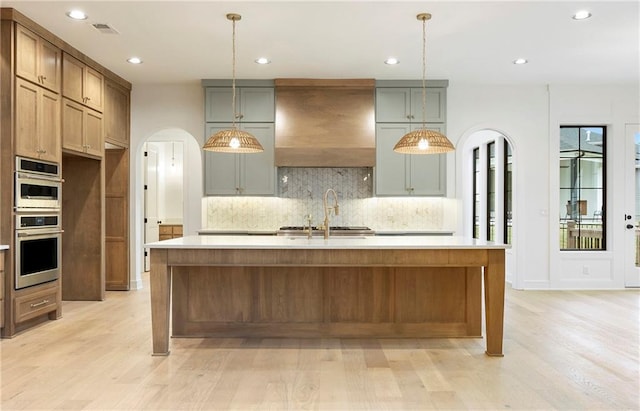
(176,174)
(488,192)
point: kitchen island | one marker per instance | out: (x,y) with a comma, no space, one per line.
(366,287)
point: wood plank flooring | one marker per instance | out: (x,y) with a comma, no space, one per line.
(563,350)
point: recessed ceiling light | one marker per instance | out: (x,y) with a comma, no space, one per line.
(263,60)
(520,61)
(392,61)
(581,15)
(77,15)
(134,60)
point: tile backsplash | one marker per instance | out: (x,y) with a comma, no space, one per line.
(300,193)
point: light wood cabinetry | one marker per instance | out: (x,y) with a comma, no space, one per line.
(116,114)
(37,60)
(35,304)
(83,260)
(82,129)
(404,104)
(2,299)
(82,83)
(404,174)
(116,219)
(37,117)
(242,174)
(169,231)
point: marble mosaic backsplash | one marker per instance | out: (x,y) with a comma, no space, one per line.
(300,193)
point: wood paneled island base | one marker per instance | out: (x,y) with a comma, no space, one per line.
(324,288)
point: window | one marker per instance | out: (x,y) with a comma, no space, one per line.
(491,191)
(476,193)
(582,187)
(508,191)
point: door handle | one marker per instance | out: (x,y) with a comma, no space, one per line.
(629,226)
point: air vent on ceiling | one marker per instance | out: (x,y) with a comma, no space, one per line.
(104,28)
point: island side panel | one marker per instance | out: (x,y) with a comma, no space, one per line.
(494,277)
(160,286)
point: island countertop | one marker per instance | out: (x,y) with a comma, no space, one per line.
(318,242)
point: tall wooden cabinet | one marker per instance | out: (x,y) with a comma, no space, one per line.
(37,117)
(57,100)
(37,60)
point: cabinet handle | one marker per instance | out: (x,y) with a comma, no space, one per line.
(43,78)
(239,116)
(409,116)
(43,302)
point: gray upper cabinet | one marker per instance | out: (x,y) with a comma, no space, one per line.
(407,174)
(404,105)
(253,104)
(242,174)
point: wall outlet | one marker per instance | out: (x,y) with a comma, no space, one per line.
(585,270)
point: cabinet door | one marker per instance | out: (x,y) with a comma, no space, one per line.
(93,89)
(218,104)
(49,127)
(258,172)
(50,65)
(220,169)
(27,54)
(428,171)
(116,114)
(393,105)
(72,78)
(73,126)
(257,104)
(93,137)
(27,107)
(434,108)
(253,104)
(391,170)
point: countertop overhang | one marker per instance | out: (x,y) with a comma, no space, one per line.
(342,242)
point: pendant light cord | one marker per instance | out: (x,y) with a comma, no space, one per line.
(424,72)
(233,74)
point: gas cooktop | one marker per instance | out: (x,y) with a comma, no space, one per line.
(335,230)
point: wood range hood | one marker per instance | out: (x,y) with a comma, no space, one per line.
(325,123)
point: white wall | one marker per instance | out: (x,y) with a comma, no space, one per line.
(529,116)
(166,112)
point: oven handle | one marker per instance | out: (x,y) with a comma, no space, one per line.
(40,233)
(39,177)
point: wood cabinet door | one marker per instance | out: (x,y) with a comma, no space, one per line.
(94,140)
(72,78)
(93,89)
(49,127)
(73,126)
(26,135)
(27,54)
(116,114)
(50,65)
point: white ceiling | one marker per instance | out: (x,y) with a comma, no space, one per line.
(467,42)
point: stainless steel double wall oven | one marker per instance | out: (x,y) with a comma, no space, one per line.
(38,233)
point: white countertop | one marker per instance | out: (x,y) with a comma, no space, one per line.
(4,247)
(339,242)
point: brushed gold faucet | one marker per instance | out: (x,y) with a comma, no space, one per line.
(327,209)
(309,229)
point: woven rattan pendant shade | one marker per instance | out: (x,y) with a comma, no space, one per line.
(422,140)
(233,140)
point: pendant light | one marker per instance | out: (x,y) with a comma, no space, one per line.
(422,140)
(233,140)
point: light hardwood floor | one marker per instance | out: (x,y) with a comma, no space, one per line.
(563,350)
